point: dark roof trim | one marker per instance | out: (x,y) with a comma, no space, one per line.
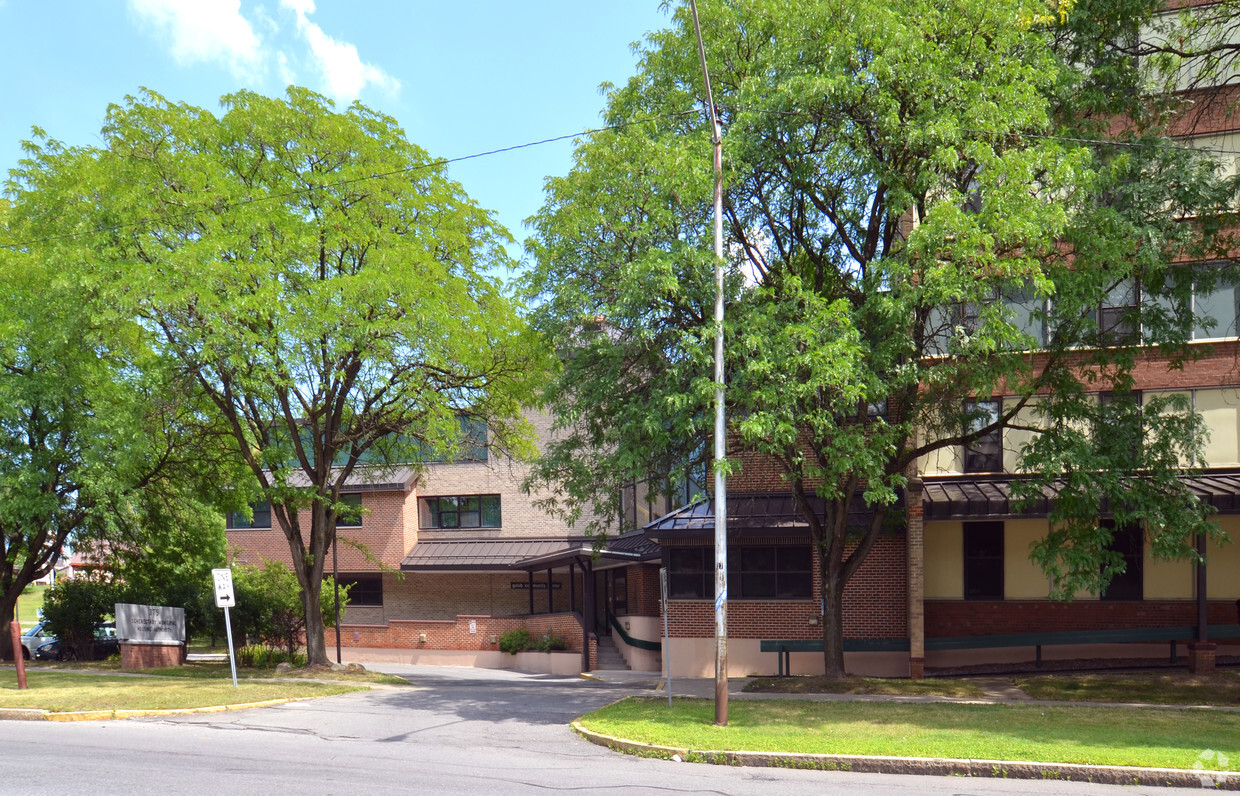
(989,497)
(751,514)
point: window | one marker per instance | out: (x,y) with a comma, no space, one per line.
(350,514)
(364,590)
(754,573)
(261,518)
(1117,315)
(984,454)
(1216,305)
(1129,541)
(771,573)
(691,573)
(1027,312)
(983,560)
(475,511)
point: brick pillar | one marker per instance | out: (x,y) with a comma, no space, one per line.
(916,540)
(1201,657)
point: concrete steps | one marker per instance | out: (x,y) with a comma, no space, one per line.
(609,658)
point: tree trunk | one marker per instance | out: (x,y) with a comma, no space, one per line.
(832,621)
(316,644)
(7,603)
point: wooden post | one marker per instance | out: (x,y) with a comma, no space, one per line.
(18,658)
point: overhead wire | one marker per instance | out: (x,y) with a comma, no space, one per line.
(440,162)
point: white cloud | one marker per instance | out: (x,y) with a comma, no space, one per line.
(204,31)
(287,76)
(344,73)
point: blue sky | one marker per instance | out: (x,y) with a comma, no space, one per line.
(461,76)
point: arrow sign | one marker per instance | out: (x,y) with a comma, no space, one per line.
(223,588)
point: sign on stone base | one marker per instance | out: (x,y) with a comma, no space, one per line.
(150,635)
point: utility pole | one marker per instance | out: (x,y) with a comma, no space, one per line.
(721,486)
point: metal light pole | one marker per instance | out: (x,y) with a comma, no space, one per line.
(721,494)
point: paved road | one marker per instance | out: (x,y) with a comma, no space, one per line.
(452,731)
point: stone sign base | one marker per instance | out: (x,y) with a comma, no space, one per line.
(151,655)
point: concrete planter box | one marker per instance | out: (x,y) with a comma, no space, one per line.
(545,662)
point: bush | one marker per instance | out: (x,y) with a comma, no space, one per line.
(550,643)
(75,607)
(258,656)
(515,641)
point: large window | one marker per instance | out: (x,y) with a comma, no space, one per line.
(364,590)
(1129,541)
(466,511)
(261,518)
(983,560)
(984,454)
(1117,315)
(783,572)
(350,514)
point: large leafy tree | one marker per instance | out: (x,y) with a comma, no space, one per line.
(903,197)
(94,426)
(323,283)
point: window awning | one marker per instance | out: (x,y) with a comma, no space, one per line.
(501,555)
(751,514)
(989,497)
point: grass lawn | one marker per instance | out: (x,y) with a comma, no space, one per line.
(1091,735)
(1166,688)
(28,603)
(60,691)
(212,670)
(863,685)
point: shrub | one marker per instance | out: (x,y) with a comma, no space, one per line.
(258,656)
(550,643)
(515,641)
(75,607)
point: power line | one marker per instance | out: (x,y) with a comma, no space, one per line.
(1169,145)
(341,183)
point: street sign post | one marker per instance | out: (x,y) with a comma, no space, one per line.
(225,598)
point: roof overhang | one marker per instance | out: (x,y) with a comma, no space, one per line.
(990,497)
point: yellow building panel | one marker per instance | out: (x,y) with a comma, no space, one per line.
(1015,439)
(944,561)
(1188,397)
(1223,563)
(1220,409)
(1166,580)
(944,461)
(1023,579)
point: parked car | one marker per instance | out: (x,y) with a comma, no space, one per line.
(34,638)
(104,645)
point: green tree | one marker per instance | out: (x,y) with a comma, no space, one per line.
(269,606)
(323,283)
(75,608)
(92,422)
(900,204)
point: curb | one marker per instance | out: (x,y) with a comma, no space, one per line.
(35,714)
(994,769)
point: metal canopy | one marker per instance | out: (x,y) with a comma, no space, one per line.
(761,513)
(972,497)
(499,555)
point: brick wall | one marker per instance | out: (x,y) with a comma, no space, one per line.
(497,476)
(455,634)
(987,618)
(383,534)
(440,596)
(875,605)
(644,592)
